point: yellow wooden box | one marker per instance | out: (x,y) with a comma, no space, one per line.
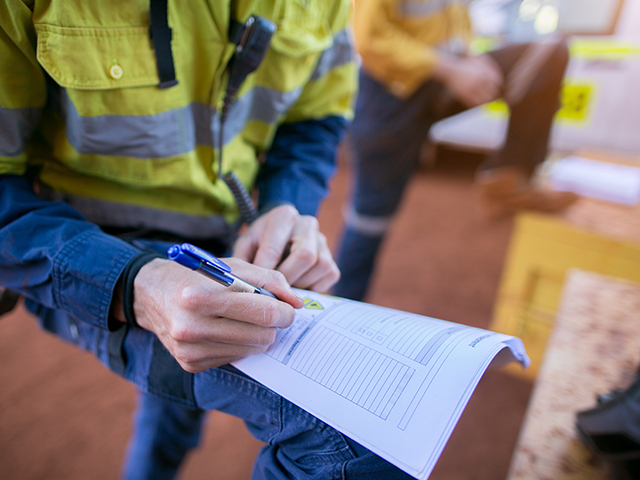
(543,248)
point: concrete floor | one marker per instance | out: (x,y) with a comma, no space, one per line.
(64,416)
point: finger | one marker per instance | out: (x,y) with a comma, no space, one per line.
(210,300)
(245,247)
(271,280)
(304,250)
(275,238)
(320,280)
(214,330)
(276,283)
(324,274)
(197,358)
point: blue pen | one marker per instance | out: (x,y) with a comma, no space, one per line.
(212,267)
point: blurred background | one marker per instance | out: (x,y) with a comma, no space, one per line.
(64,416)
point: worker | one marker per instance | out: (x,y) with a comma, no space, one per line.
(416,70)
(113,148)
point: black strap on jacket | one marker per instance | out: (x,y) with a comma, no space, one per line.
(161,38)
(236,31)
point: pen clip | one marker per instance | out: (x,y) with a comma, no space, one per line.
(206,257)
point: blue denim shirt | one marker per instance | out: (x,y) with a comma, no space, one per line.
(55,258)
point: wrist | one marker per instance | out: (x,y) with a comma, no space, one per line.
(127,281)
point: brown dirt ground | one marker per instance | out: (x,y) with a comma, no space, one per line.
(64,416)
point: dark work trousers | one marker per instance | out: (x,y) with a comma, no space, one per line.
(172,404)
(386,138)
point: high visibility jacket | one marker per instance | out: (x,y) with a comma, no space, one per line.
(399,40)
(80,109)
(79,98)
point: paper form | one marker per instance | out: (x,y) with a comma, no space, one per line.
(395,382)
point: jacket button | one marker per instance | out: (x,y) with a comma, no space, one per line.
(116,71)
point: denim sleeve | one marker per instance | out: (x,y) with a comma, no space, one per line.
(300,164)
(51,255)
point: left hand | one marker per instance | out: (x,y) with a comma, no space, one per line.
(291,243)
(473,80)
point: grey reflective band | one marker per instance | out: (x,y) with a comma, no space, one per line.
(456,45)
(425,8)
(180,130)
(174,132)
(16,127)
(340,53)
(365,224)
(140,136)
(260,103)
(111,214)
(422,9)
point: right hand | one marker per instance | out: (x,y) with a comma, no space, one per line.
(472,80)
(205,325)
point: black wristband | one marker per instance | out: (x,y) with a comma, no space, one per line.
(128,276)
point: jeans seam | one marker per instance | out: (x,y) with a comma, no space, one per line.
(280,419)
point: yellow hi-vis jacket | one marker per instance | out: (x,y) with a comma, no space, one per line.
(399,40)
(111,142)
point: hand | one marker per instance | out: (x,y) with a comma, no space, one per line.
(204,324)
(472,80)
(283,239)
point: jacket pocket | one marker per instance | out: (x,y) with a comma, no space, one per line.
(121,126)
(97,58)
(302,33)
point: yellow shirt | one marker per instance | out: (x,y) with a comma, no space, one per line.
(79,98)
(399,40)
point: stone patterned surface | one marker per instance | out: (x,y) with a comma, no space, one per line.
(594,348)
(616,221)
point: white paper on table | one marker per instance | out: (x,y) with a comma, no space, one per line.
(395,382)
(593,178)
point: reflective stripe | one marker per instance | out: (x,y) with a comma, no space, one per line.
(175,131)
(428,7)
(122,215)
(260,103)
(456,45)
(180,130)
(138,136)
(340,53)
(16,127)
(365,224)
(421,9)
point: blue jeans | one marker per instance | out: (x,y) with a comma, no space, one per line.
(172,404)
(385,139)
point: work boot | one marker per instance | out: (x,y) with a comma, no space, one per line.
(507,190)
